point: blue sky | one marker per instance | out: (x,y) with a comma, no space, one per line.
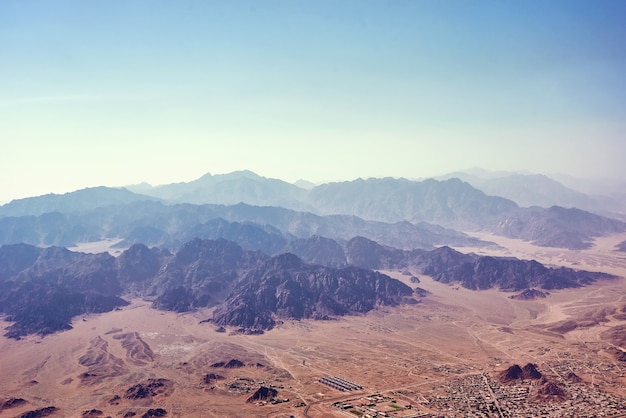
(119,92)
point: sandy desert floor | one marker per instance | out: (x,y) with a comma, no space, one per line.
(426,359)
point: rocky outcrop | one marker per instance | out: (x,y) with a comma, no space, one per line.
(529,294)
(231,364)
(154,412)
(482,272)
(573,378)
(512,373)
(149,389)
(212,377)
(39,413)
(12,403)
(550,391)
(529,371)
(263,394)
(515,372)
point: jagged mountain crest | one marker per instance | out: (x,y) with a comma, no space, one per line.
(248,288)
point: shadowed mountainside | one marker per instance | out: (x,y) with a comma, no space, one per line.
(286,287)
(41,290)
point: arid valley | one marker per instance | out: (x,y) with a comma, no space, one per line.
(445,356)
(312,209)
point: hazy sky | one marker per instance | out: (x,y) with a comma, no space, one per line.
(119,92)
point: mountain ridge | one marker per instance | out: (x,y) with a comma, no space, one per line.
(42,289)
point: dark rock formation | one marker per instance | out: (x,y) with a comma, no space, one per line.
(564,326)
(286,287)
(573,378)
(157,412)
(200,274)
(550,391)
(515,372)
(12,403)
(422,293)
(231,364)
(149,389)
(93,413)
(212,377)
(475,272)
(139,264)
(38,413)
(263,394)
(529,294)
(45,296)
(529,371)
(234,364)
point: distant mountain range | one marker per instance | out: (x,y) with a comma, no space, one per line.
(41,290)
(397,212)
(260,251)
(270,229)
(544,191)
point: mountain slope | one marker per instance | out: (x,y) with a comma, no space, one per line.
(258,228)
(450,202)
(77,201)
(41,290)
(229,189)
(286,287)
(558,227)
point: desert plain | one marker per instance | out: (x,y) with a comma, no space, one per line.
(443,356)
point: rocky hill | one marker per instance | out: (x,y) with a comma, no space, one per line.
(52,286)
(286,287)
(558,227)
(529,294)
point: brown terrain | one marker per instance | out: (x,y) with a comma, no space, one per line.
(449,355)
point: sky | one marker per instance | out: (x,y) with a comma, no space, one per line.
(122,92)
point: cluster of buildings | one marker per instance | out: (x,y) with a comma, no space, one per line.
(482,396)
(340,384)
